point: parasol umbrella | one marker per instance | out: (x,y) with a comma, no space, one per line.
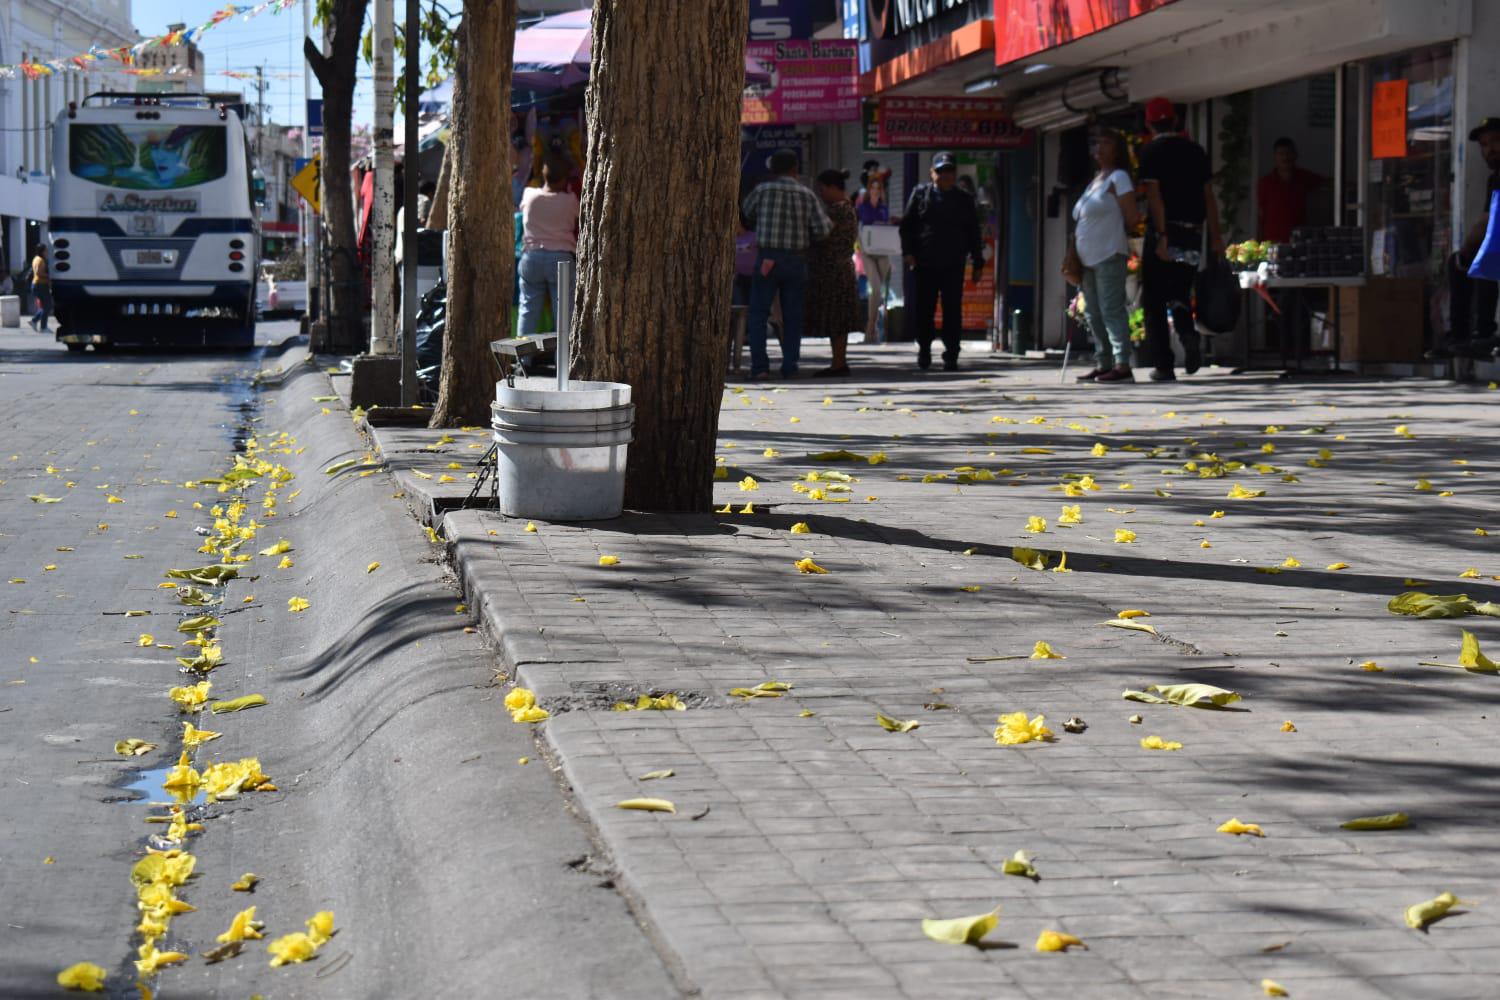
(553,54)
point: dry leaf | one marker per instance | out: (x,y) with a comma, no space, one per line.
(1389,821)
(657,775)
(647,805)
(1471,659)
(895,725)
(1127,623)
(1193,695)
(962,930)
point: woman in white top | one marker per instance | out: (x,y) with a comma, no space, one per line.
(1104,214)
(549,224)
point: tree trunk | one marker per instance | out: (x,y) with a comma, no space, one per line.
(481,233)
(335,72)
(656,249)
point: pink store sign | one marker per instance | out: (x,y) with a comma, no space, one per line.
(812,81)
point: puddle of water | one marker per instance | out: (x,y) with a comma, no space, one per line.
(148,786)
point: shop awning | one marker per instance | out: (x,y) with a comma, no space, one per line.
(937,69)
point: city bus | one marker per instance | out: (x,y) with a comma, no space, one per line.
(152,228)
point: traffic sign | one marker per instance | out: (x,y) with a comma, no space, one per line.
(307,181)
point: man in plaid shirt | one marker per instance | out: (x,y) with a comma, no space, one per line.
(786,217)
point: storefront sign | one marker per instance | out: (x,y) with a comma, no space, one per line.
(853,17)
(812,81)
(946,123)
(1026,27)
(889,18)
(758,142)
(1388,120)
(776,20)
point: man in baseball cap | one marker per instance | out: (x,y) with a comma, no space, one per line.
(1472,301)
(939,230)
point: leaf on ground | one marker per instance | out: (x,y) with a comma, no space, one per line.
(1058,941)
(338,467)
(665,772)
(245,883)
(1127,623)
(1389,821)
(1191,695)
(765,689)
(1030,558)
(1272,988)
(1020,864)
(1238,492)
(1420,605)
(1238,828)
(962,930)
(647,805)
(1471,659)
(1419,915)
(237,704)
(134,747)
(664,703)
(896,725)
(198,623)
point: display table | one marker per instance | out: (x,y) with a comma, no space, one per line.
(1289,314)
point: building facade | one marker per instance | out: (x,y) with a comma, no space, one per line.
(179,67)
(37,31)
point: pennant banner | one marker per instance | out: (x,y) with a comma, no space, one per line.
(125,56)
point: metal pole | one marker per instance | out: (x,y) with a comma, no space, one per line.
(383,313)
(309,219)
(411,259)
(564,322)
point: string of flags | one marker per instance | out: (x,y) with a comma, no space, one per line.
(124,58)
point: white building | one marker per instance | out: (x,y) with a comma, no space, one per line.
(180,66)
(38,31)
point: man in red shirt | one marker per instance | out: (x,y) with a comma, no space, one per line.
(1282,194)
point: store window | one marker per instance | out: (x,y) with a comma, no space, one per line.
(1409,98)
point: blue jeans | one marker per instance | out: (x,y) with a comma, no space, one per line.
(789,278)
(1109,320)
(43,295)
(538,283)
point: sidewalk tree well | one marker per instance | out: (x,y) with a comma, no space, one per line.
(335,65)
(481,245)
(656,240)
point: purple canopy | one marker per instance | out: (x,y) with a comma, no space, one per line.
(553,54)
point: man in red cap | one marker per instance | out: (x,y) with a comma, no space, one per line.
(1178,179)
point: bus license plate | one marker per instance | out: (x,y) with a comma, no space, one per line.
(151,258)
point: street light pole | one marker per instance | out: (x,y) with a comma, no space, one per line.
(411,259)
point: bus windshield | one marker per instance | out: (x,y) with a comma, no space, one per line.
(148,157)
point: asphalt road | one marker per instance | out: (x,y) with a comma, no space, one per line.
(453,869)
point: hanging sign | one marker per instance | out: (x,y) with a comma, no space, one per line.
(946,123)
(812,81)
(1388,120)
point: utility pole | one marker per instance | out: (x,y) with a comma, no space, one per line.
(382,217)
(260,113)
(310,226)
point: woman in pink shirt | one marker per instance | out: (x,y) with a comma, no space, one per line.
(549,224)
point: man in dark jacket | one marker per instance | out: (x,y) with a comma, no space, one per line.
(940,228)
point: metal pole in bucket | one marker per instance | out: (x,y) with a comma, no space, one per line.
(564,312)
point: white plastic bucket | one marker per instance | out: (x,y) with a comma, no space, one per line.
(10,311)
(560,456)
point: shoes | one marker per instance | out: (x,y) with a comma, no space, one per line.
(789,375)
(1478,348)
(924,358)
(1091,376)
(1192,356)
(760,377)
(841,371)
(950,364)
(1116,375)
(1163,375)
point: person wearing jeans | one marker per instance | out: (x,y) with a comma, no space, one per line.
(41,288)
(1105,211)
(550,234)
(786,218)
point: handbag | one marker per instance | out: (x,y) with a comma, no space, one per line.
(1072,264)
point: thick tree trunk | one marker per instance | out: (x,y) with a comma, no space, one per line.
(656,254)
(335,72)
(481,240)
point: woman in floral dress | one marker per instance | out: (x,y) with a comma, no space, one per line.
(832,291)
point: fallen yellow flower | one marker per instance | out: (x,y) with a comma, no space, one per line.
(151,960)
(1044,651)
(190,698)
(1020,864)
(134,747)
(664,703)
(1288,727)
(1133,613)
(244,927)
(1124,536)
(1036,525)
(806,565)
(1157,743)
(647,805)
(1370,666)
(1238,492)
(1237,828)
(1015,729)
(245,883)
(609,560)
(1272,988)
(237,704)
(1419,915)
(1058,941)
(85,977)
(1071,514)
(801,528)
(749,485)
(1338,566)
(297,605)
(277,549)
(146,639)
(891,725)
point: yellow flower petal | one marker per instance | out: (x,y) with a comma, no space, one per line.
(192,736)
(1036,525)
(372,567)
(1419,915)
(1044,651)
(1370,666)
(891,725)
(1338,565)
(245,883)
(244,927)
(1015,729)
(1288,727)
(85,977)
(1272,988)
(647,805)
(609,560)
(297,605)
(1124,536)
(749,485)
(1057,941)
(1237,828)
(806,565)
(1157,743)
(146,639)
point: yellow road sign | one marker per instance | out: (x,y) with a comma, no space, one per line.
(306,182)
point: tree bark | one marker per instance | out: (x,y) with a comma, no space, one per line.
(481,233)
(335,72)
(656,250)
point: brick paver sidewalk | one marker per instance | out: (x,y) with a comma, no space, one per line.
(809,843)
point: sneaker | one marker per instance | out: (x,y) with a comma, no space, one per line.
(1163,375)
(1192,356)
(1115,375)
(1093,375)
